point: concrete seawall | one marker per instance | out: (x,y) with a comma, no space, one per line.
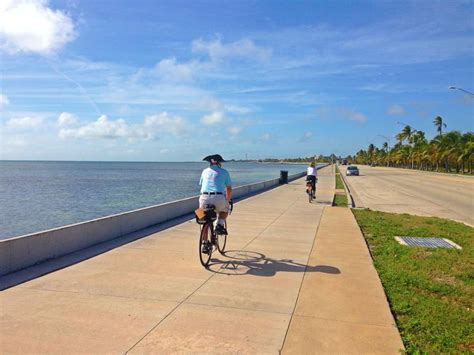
(24,251)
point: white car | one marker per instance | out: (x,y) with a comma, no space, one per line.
(352,170)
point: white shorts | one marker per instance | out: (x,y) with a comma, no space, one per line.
(217,200)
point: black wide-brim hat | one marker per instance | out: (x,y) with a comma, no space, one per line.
(215,157)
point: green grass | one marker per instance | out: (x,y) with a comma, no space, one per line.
(431,291)
(340,200)
(339,183)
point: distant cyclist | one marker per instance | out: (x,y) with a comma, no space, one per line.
(216,189)
(312,176)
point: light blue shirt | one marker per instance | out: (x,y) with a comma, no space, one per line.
(214,179)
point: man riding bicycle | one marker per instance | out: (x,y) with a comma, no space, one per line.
(312,177)
(215,181)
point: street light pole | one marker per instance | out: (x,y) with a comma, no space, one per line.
(461,89)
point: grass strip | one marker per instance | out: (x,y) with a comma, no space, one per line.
(339,183)
(431,291)
(340,200)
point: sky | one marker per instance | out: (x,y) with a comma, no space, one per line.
(150,80)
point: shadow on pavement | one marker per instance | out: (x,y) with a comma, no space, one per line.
(246,262)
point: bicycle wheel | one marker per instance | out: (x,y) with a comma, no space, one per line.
(222,240)
(205,238)
(310,195)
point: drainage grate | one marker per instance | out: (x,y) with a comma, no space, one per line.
(427,242)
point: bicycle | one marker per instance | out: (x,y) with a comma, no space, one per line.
(206,217)
(309,188)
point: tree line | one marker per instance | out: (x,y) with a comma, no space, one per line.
(310,159)
(451,151)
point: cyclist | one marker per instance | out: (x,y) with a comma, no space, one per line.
(216,189)
(312,176)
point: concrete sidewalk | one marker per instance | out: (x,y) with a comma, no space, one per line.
(153,296)
(346,314)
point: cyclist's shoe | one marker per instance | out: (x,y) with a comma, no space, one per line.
(220,229)
(206,247)
(314,196)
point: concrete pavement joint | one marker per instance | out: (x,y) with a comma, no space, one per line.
(239,308)
(259,234)
(301,283)
(169,313)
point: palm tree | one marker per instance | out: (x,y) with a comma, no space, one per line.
(400,138)
(439,124)
(466,151)
(450,148)
(407,133)
(370,152)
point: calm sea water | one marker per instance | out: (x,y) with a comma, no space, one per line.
(35,196)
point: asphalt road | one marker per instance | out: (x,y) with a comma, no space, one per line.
(414,192)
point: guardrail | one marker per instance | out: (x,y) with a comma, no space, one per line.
(25,251)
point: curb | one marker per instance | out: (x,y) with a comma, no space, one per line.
(350,204)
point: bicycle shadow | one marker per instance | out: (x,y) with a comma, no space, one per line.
(246,262)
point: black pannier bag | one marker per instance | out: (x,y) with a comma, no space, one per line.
(203,216)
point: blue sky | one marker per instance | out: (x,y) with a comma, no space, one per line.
(177,80)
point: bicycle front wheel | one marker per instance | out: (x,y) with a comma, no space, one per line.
(222,241)
(205,246)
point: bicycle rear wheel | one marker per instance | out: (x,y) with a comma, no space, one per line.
(222,241)
(310,195)
(205,239)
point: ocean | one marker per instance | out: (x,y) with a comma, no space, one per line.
(40,195)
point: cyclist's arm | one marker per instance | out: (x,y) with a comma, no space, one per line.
(228,192)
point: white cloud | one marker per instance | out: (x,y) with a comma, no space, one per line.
(327,112)
(151,127)
(213,104)
(306,137)
(4,100)
(102,128)
(168,69)
(395,110)
(165,122)
(213,118)
(358,116)
(244,48)
(266,137)
(66,119)
(32,26)
(24,122)
(234,130)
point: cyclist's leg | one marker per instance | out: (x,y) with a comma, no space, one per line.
(205,200)
(222,208)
